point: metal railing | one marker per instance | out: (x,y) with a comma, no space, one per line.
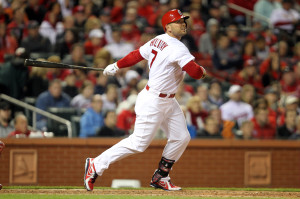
(39,111)
(249,14)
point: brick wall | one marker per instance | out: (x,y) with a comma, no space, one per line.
(205,163)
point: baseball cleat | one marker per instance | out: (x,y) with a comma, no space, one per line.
(165,184)
(90,174)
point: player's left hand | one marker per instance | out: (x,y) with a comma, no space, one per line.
(111,69)
(2,145)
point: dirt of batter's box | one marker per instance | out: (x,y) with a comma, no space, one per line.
(156,192)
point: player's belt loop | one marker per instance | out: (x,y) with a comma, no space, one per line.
(162,95)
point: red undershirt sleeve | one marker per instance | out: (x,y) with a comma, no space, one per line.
(193,69)
(131,59)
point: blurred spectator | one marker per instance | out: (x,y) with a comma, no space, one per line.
(109,128)
(35,42)
(248,94)
(52,24)
(119,48)
(182,96)
(215,93)
(262,103)
(262,49)
(289,127)
(68,24)
(248,51)
(265,8)
(249,75)
(14,75)
(271,69)
(130,33)
(17,27)
(226,58)
(202,93)
(126,117)
(21,127)
(101,84)
(83,100)
(8,44)
(37,82)
(110,98)
(289,82)
(246,130)
(66,7)
(195,114)
(70,86)
(263,129)
(102,58)
(92,120)
(5,119)
(296,135)
(77,56)
(53,97)
(64,45)
(235,39)
(80,19)
(56,73)
(197,25)
(218,11)
(91,24)
(131,78)
(95,42)
(211,129)
(131,15)
(145,9)
(285,20)
(104,17)
(35,11)
(116,14)
(235,110)
(296,54)
(272,95)
(208,40)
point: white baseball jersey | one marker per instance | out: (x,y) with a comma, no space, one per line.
(166,56)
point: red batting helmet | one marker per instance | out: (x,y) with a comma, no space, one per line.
(172,16)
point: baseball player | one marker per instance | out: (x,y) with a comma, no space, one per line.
(168,61)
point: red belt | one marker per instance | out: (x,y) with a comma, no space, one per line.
(162,94)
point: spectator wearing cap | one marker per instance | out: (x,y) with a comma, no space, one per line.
(35,42)
(131,79)
(13,74)
(289,102)
(235,111)
(263,129)
(249,75)
(118,48)
(52,24)
(289,127)
(5,117)
(126,117)
(95,42)
(21,127)
(8,43)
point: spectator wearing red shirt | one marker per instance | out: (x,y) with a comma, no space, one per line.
(17,27)
(116,14)
(263,129)
(126,117)
(95,42)
(8,44)
(21,127)
(289,82)
(145,9)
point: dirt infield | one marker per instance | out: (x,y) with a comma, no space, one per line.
(150,192)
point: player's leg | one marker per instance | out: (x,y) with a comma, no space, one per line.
(178,138)
(148,120)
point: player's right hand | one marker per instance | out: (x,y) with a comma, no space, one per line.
(111,69)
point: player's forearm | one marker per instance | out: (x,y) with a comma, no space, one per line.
(131,59)
(194,70)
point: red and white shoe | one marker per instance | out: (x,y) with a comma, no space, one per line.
(90,174)
(165,184)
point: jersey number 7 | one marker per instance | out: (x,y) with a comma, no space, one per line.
(155,53)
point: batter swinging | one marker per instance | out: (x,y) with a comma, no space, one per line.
(168,60)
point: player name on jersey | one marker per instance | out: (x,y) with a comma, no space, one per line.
(158,43)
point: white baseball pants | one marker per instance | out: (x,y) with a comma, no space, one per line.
(152,112)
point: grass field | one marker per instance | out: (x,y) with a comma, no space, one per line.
(36,192)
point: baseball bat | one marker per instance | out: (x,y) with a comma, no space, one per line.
(47,64)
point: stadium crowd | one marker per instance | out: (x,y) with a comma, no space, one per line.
(251,92)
